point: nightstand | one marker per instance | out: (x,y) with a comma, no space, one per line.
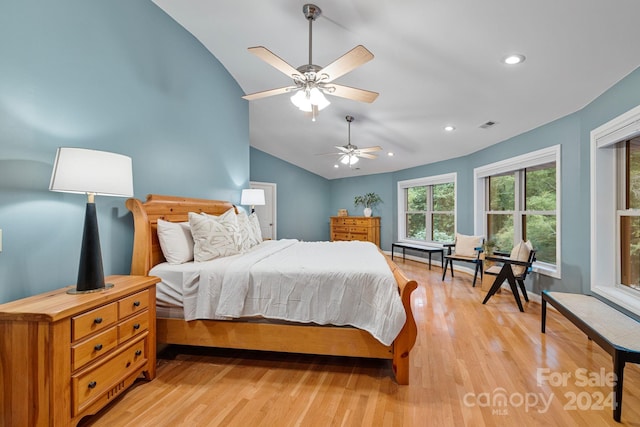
(66,356)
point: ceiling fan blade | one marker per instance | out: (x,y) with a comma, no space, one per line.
(353,93)
(274,60)
(369,149)
(271,92)
(367,156)
(330,154)
(347,62)
(341,148)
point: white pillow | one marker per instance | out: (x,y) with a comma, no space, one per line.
(520,252)
(214,237)
(255,226)
(176,241)
(466,245)
(247,238)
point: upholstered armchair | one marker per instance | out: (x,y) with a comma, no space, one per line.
(465,249)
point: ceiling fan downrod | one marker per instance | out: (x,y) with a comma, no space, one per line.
(311,12)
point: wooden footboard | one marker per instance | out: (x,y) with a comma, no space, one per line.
(405,340)
(309,339)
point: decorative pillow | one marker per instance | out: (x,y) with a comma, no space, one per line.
(176,241)
(247,238)
(214,237)
(255,226)
(520,252)
(466,245)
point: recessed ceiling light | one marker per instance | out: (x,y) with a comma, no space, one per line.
(336,166)
(449,128)
(390,154)
(514,59)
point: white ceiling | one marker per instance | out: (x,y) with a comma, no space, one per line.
(437,62)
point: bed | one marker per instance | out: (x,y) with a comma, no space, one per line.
(305,338)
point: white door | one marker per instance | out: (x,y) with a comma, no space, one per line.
(267,213)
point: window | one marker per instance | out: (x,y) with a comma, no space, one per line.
(426,209)
(629,212)
(615,210)
(518,199)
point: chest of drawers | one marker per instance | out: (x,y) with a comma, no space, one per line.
(356,228)
(66,356)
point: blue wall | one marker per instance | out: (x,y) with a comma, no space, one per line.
(303,197)
(119,76)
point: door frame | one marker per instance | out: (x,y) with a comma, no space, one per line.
(272,187)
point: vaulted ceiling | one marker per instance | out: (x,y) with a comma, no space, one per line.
(437,63)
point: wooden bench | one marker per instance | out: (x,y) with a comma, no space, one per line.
(423,248)
(617,333)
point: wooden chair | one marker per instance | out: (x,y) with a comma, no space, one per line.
(465,249)
(513,270)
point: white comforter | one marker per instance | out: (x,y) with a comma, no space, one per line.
(338,283)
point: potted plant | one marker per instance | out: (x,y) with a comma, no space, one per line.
(368,201)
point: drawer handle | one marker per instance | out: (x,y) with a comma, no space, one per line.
(98,347)
(138,352)
(97,320)
(136,326)
(92,384)
(136,304)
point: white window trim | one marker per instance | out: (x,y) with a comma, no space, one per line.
(419,182)
(605,252)
(534,158)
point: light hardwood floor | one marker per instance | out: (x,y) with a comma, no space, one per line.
(473,365)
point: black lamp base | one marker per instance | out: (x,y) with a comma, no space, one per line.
(90,271)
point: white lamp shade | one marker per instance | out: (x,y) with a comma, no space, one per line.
(80,170)
(252,196)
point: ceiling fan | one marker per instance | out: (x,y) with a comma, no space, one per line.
(311,82)
(350,154)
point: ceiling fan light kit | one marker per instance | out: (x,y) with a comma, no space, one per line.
(348,159)
(306,100)
(311,82)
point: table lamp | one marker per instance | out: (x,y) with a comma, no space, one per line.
(253,197)
(91,172)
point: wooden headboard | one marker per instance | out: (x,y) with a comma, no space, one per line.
(146,247)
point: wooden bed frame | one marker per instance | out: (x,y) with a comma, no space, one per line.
(290,338)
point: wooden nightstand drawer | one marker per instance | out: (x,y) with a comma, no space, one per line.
(133,326)
(133,304)
(94,347)
(361,222)
(105,379)
(93,321)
